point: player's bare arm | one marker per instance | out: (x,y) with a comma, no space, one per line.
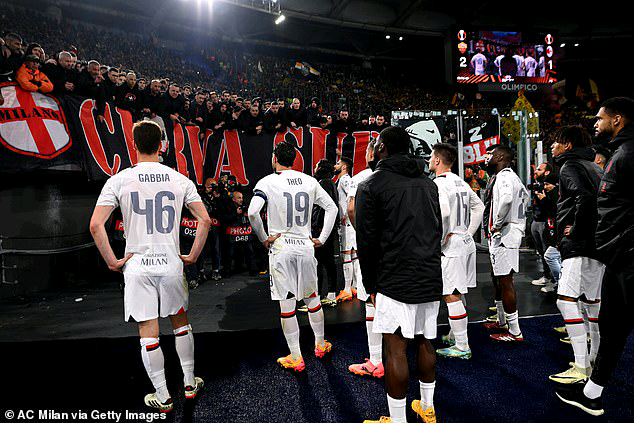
(204,223)
(100,216)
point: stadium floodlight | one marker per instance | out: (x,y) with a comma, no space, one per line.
(280,19)
(387,37)
(400,38)
(562,45)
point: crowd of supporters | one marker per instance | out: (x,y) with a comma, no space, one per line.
(217,88)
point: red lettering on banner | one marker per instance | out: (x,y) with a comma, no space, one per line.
(179,145)
(319,145)
(193,132)
(232,148)
(127,124)
(239,230)
(298,164)
(474,152)
(299,136)
(189,223)
(215,222)
(93,140)
(340,137)
(361,140)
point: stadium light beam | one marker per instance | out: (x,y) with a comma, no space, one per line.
(280,19)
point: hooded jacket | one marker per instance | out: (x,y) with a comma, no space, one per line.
(577,206)
(399,229)
(615,228)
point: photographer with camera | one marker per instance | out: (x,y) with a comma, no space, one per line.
(217,206)
(538,226)
(239,234)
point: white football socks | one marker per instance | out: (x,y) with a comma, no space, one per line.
(514,323)
(592,316)
(375,340)
(184,342)
(290,327)
(316,318)
(427,394)
(347,271)
(500,309)
(576,330)
(154,364)
(592,390)
(458,322)
(397,409)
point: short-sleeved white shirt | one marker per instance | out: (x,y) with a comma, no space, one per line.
(478,61)
(460,197)
(356,180)
(151,197)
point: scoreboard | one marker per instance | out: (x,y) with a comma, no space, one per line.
(504,60)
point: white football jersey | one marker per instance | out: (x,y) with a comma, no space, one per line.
(356,180)
(542,66)
(461,210)
(478,62)
(343,186)
(509,199)
(498,63)
(530,64)
(520,64)
(151,197)
(290,196)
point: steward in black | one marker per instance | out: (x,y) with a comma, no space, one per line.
(577,206)
(615,229)
(399,229)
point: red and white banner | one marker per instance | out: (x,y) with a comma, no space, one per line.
(474,153)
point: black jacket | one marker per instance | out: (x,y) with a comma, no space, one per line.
(577,206)
(296,116)
(150,101)
(271,120)
(615,229)
(318,213)
(170,106)
(248,123)
(86,85)
(59,77)
(549,210)
(399,228)
(313,116)
(129,99)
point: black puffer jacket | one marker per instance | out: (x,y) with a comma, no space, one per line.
(399,227)
(615,229)
(577,206)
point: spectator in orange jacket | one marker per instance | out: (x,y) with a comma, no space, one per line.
(30,78)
